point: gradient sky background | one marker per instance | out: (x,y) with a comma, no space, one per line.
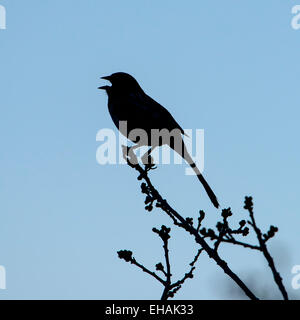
(230,67)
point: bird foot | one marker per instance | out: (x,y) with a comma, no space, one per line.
(129,155)
(148,161)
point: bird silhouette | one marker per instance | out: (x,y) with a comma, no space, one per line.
(128,102)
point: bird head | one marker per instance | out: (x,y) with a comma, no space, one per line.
(122,81)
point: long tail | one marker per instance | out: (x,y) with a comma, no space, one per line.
(186,156)
(206,186)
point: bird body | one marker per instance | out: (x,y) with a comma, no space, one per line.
(128,102)
(139,110)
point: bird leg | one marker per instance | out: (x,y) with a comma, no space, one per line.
(148,161)
(130,154)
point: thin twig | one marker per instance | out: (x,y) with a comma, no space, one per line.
(153,274)
(127,256)
(243,244)
(276,275)
(168,273)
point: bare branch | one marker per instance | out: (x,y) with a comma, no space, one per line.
(263,247)
(127,256)
(178,220)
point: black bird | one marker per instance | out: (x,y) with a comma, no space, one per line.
(128,102)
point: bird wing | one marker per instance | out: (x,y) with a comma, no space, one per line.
(152,115)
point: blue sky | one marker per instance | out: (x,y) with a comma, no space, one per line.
(228,67)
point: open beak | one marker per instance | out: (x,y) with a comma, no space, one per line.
(102,88)
(105,87)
